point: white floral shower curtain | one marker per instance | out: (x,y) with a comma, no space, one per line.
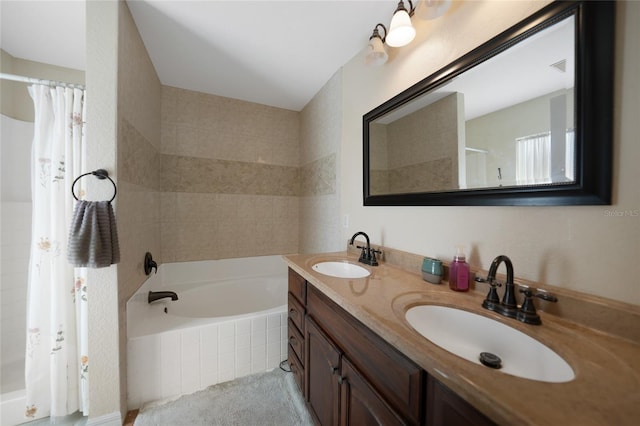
(56,370)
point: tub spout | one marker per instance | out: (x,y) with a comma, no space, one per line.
(157,295)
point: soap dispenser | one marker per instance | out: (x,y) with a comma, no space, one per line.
(459,271)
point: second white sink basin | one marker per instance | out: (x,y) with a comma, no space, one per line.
(468,335)
(341,269)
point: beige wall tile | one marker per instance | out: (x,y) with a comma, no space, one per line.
(319,177)
(168,241)
(138,158)
(203,175)
(230,129)
(138,170)
(321,135)
(211,226)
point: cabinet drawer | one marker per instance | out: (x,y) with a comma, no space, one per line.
(297,286)
(296,313)
(297,370)
(395,377)
(296,341)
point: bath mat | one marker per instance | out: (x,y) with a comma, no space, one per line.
(270,398)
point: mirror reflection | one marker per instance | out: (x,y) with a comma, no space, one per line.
(507,122)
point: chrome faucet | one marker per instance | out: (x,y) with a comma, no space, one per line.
(367,255)
(157,295)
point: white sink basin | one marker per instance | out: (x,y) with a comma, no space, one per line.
(467,335)
(341,269)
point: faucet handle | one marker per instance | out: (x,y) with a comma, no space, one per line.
(363,254)
(526,290)
(539,293)
(492,301)
(492,283)
(372,260)
(544,295)
(149,264)
(527,312)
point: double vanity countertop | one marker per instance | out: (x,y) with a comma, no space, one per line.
(605,391)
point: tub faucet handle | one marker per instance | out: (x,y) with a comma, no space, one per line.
(149,264)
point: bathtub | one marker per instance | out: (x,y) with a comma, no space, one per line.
(230,320)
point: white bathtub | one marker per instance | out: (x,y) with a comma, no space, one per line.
(230,320)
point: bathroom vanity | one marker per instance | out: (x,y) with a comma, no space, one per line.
(349,375)
(358,361)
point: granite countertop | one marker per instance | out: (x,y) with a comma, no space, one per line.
(606,390)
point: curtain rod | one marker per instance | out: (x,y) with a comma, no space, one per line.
(481,151)
(43,82)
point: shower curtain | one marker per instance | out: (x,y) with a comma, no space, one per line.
(56,361)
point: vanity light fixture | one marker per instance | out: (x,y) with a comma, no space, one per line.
(401,30)
(376,52)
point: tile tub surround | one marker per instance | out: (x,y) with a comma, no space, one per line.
(607,385)
(232,177)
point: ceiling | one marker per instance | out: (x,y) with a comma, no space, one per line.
(277,53)
(52,32)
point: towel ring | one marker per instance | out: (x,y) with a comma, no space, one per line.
(100,174)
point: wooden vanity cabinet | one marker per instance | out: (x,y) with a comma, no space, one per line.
(296,327)
(350,376)
(444,407)
(337,393)
(395,378)
(360,404)
(322,370)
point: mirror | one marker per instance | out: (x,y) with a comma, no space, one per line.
(525,119)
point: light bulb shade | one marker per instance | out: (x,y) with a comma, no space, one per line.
(401,31)
(376,53)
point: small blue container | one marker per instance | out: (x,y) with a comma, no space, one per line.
(432,270)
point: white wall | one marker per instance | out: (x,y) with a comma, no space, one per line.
(102,85)
(15,230)
(585,248)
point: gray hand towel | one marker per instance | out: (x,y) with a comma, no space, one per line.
(93,237)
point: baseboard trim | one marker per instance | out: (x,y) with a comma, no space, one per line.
(111,419)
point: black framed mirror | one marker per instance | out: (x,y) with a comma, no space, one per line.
(524,119)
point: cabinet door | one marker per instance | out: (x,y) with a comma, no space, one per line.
(444,407)
(396,378)
(321,367)
(360,404)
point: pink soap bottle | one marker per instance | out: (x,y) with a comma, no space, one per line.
(459,272)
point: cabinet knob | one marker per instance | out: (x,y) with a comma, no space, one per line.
(333,370)
(341,379)
(292,340)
